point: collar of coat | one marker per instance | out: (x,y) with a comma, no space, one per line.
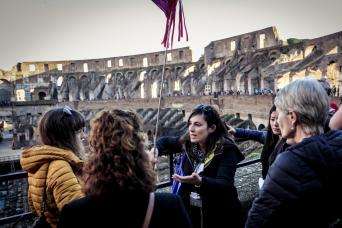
(32,158)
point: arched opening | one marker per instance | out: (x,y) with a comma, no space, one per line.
(59,80)
(142,76)
(84,90)
(5,91)
(154,89)
(20,95)
(142,91)
(41,96)
(72,89)
(108,78)
(261,127)
(333,74)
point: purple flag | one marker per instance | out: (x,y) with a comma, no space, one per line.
(169,8)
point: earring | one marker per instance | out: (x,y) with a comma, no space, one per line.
(292,127)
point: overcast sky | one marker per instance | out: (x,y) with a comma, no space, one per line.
(48,30)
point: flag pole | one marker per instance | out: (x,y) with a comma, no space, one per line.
(155,155)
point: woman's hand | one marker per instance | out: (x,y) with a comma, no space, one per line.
(230,129)
(153,155)
(193,179)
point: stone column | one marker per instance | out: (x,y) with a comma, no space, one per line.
(249,85)
(226,86)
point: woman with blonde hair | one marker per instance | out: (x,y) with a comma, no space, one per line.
(120,181)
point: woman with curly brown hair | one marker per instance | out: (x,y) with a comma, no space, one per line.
(120,181)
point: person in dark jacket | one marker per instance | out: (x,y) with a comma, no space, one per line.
(274,144)
(208,168)
(119,180)
(302,187)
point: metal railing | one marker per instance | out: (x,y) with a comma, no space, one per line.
(28,215)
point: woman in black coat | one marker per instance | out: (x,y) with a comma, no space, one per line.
(120,182)
(208,164)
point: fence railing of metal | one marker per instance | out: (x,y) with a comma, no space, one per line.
(28,215)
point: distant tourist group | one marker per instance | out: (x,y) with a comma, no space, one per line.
(114,185)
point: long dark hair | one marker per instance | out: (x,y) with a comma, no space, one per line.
(58,128)
(118,162)
(212,117)
(269,144)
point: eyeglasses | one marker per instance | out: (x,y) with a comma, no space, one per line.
(67,110)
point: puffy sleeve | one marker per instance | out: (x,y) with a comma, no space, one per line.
(168,145)
(63,183)
(282,184)
(247,134)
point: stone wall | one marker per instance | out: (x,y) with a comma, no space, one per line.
(251,63)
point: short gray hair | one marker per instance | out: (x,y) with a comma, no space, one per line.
(308,99)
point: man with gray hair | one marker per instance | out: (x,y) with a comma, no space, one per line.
(302,187)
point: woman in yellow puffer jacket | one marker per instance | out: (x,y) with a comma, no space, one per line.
(53,167)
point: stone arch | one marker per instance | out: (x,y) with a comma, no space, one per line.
(227,61)
(242,82)
(229,83)
(179,71)
(72,88)
(129,75)
(268,82)
(333,73)
(84,87)
(141,74)
(141,77)
(256,55)
(154,73)
(186,86)
(168,72)
(102,78)
(5,91)
(41,95)
(261,127)
(62,87)
(117,80)
(60,81)
(168,86)
(308,50)
(130,82)
(109,78)
(118,75)
(154,84)
(241,58)
(253,81)
(273,55)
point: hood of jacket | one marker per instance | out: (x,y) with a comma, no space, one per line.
(33,158)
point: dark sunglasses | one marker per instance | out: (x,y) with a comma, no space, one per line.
(203,107)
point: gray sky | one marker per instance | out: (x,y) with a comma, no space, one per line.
(48,30)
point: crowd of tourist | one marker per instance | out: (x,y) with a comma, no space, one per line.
(115,184)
